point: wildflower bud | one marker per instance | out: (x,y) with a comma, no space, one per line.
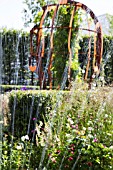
(70,158)
(34,118)
(19,147)
(89,163)
(95,140)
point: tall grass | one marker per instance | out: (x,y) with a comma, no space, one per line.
(77,134)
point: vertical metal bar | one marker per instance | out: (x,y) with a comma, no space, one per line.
(99,43)
(89,53)
(31,46)
(95,49)
(51,47)
(98,47)
(39,35)
(98,40)
(40,29)
(43,47)
(69,43)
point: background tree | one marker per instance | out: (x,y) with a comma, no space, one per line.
(33,10)
(110,20)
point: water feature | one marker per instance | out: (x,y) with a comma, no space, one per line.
(17,66)
(51,121)
(1,111)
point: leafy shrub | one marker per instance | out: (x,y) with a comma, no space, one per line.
(27,107)
(75,133)
(8,88)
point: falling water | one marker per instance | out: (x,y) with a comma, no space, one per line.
(31,112)
(38,105)
(51,121)
(17,64)
(1,117)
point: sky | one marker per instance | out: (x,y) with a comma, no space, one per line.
(11,14)
(11,11)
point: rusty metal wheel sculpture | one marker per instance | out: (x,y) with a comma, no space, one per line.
(37,51)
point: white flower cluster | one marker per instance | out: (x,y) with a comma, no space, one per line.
(23,138)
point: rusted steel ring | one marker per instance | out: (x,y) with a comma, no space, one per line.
(38,32)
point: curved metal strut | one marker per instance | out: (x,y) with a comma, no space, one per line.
(37,31)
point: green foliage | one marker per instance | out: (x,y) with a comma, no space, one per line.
(60,56)
(33,9)
(19,155)
(76,131)
(15,44)
(61,35)
(61,50)
(23,104)
(8,88)
(110,19)
(107,59)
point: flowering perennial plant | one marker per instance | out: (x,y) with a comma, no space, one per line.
(77,133)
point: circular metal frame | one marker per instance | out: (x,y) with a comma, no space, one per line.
(38,32)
